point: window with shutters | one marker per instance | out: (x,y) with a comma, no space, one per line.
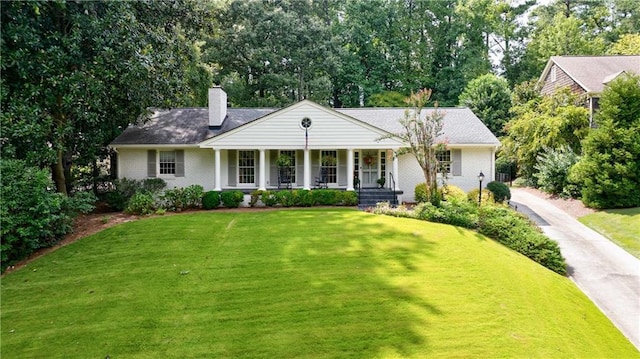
(167,162)
(246,167)
(444,161)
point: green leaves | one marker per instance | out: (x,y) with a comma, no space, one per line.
(609,170)
(489,97)
(75,74)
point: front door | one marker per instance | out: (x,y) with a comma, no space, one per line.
(369,169)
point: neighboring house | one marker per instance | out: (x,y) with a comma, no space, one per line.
(224,148)
(586,75)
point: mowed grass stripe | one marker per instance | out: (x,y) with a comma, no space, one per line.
(311,283)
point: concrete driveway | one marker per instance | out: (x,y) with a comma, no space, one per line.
(608,275)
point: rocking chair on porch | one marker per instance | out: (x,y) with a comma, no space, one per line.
(285,177)
(321,180)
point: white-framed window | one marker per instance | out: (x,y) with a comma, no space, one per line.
(329,165)
(553,74)
(444,161)
(167,162)
(246,167)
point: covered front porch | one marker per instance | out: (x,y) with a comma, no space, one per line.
(270,168)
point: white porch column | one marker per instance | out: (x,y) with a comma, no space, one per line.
(216,176)
(262,175)
(307,169)
(350,169)
(396,170)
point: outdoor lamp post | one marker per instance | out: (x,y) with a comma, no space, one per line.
(480,178)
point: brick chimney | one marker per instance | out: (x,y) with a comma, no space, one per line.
(217,106)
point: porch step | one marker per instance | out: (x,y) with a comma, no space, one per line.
(369,197)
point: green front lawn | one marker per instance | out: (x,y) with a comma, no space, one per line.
(622,226)
(312,283)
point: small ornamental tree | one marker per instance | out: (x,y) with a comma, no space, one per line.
(420,132)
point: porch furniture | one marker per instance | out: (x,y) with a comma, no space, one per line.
(284,177)
(321,180)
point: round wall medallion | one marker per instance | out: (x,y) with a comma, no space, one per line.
(306,122)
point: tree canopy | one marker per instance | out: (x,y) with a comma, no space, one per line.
(74,74)
(489,97)
(609,171)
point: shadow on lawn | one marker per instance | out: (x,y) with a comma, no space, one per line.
(356,292)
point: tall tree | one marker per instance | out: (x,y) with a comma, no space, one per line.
(550,122)
(75,73)
(273,53)
(609,170)
(489,97)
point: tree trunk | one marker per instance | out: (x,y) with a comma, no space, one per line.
(57,173)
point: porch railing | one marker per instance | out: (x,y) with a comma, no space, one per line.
(393,189)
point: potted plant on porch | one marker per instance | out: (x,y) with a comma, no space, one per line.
(283,161)
(381,181)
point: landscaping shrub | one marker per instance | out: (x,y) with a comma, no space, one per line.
(498,222)
(255,197)
(125,188)
(420,193)
(326,197)
(211,200)
(193,196)
(231,199)
(285,198)
(347,198)
(304,198)
(32,215)
(553,171)
(178,199)
(141,203)
(515,231)
(487,196)
(80,202)
(499,190)
(269,198)
(453,193)
(461,214)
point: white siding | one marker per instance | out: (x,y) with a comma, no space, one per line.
(282,130)
(199,167)
(474,160)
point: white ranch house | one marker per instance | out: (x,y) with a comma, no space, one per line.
(224,148)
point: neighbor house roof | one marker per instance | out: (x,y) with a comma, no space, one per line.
(190,126)
(593,72)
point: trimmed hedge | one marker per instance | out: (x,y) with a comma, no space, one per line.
(304,198)
(517,232)
(231,199)
(498,222)
(500,191)
(211,200)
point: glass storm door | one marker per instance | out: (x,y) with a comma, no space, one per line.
(369,166)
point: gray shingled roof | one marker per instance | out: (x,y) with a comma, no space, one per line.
(592,72)
(185,126)
(190,126)
(460,125)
